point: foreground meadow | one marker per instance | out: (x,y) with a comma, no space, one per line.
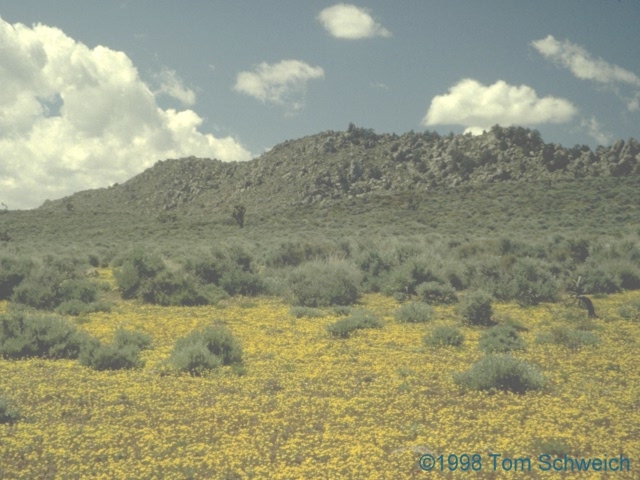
(307,405)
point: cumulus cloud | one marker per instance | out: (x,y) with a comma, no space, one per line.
(283,83)
(477,107)
(73,118)
(585,66)
(350,22)
(172,85)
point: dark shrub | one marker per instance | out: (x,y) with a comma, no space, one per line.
(76,307)
(240,282)
(562,335)
(435,293)
(444,336)
(205,349)
(319,284)
(209,270)
(110,357)
(171,288)
(294,253)
(24,335)
(137,268)
(8,414)
(475,308)
(78,289)
(43,286)
(501,339)
(405,278)
(596,279)
(359,319)
(12,272)
(414,312)
(530,282)
(501,372)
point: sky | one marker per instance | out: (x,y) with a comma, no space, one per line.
(94,92)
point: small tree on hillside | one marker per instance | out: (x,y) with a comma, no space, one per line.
(238,214)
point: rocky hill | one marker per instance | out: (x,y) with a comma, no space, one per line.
(330,166)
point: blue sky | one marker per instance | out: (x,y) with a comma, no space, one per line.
(94,92)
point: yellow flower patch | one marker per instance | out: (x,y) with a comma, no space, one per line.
(313,406)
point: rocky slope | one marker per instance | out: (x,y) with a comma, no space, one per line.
(331,166)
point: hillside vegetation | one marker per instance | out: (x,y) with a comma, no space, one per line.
(339,306)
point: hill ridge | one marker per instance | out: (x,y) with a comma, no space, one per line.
(332,166)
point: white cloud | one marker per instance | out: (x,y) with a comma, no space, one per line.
(582,64)
(585,66)
(350,22)
(594,129)
(171,85)
(106,125)
(477,107)
(379,85)
(282,83)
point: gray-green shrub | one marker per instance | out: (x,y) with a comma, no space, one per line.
(8,414)
(501,372)
(568,337)
(357,320)
(205,349)
(414,312)
(435,293)
(501,339)
(444,336)
(322,284)
(475,308)
(27,335)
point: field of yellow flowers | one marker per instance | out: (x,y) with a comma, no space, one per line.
(312,406)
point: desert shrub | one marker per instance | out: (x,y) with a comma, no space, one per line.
(475,308)
(110,357)
(209,269)
(359,319)
(137,268)
(94,260)
(171,288)
(342,310)
(630,311)
(241,282)
(501,339)
(501,372)
(435,293)
(598,279)
(294,253)
(405,278)
(26,335)
(530,282)
(76,307)
(444,336)
(12,272)
(628,275)
(414,312)
(195,359)
(308,312)
(47,288)
(321,284)
(8,414)
(374,267)
(205,349)
(124,338)
(78,289)
(568,337)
